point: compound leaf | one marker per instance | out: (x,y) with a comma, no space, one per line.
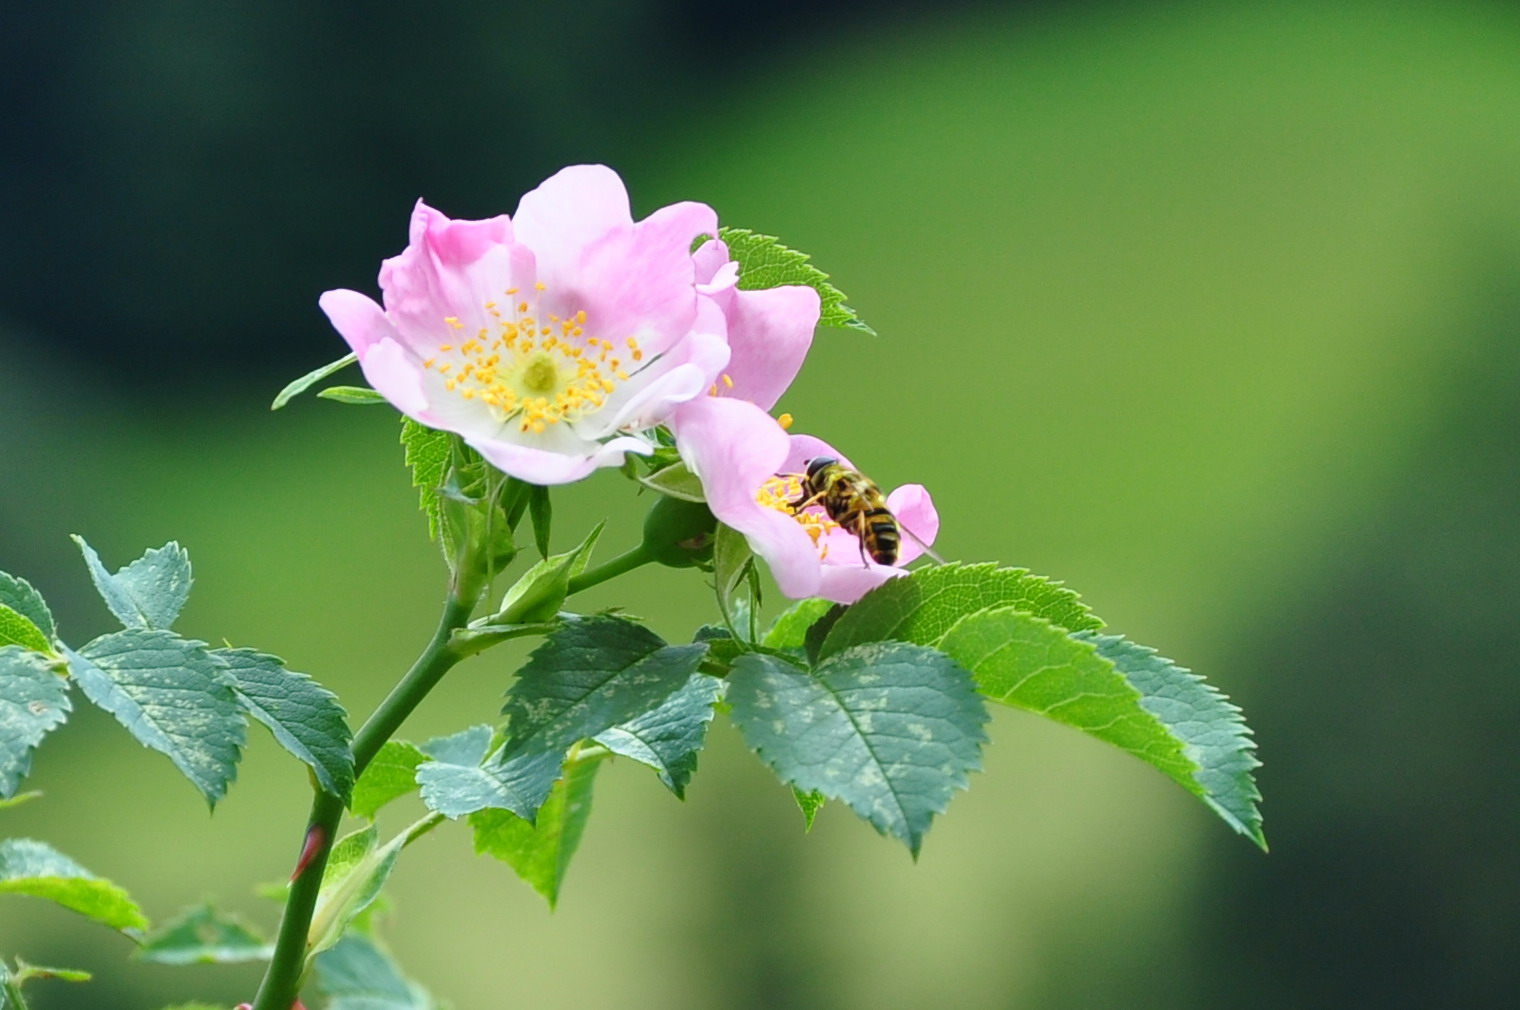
(389,776)
(540,852)
(669,737)
(765,263)
(18,594)
(18,629)
(201,935)
(590,676)
(173,696)
(429,453)
(34,701)
(461,780)
(1214,737)
(304,717)
(922,606)
(888,728)
(357,974)
(148,593)
(30,867)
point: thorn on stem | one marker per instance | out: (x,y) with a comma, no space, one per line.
(316,837)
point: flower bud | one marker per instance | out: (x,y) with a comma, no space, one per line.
(679,533)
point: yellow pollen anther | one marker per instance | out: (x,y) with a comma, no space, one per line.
(728,380)
(540,285)
(785,420)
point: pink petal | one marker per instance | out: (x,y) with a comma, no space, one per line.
(568,212)
(734,447)
(848,583)
(710,259)
(395,375)
(357,318)
(917,517)
(770,332)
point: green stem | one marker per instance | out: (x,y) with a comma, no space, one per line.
(623,563)
(278,991)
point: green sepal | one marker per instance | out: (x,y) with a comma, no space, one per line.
(149,592)
(390,775)
(733,560)
(34,868)
(538,595)
(18,594)
(540,852)
(674,481)
(304,716)
(891,729)
(361,396)
(311,378)
(201,935)
(34,701)
(765,263)
(356,871)
(541,513)
(173,696)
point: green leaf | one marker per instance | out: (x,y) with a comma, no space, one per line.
(148,593)
(765,263)
(540,852)
(669,737)
(541,511)
(389,776)
(788,632)
(357,395)
(357,974)
(675,481)
(1214,736)
(923,606)
(17,629)
(429,453)
(356,872)
(28,867)
(460,780)
(304,717)
(310,379)
(809,804)
(732,560)
(890,729)
(538,595)
(1027,662)
(18,594)
(200,935)
(34,701)
(590,676)
(173,696)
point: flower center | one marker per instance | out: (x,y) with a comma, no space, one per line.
(537,369)
(780,491)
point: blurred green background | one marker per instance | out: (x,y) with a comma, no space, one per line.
(1209,310)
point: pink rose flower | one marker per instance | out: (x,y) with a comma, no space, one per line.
(550,341)
(751,470)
